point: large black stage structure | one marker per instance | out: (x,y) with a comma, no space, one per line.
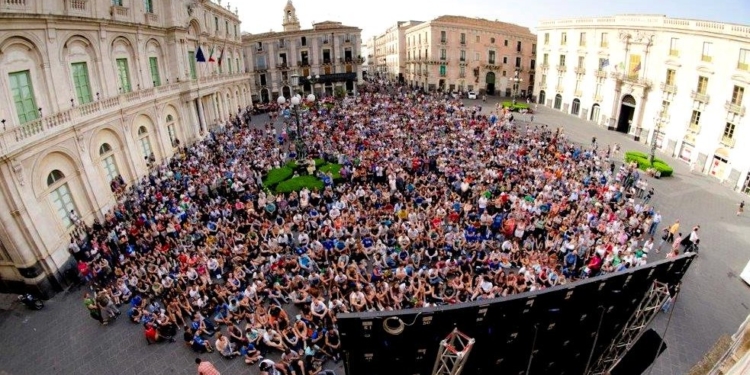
(580,328)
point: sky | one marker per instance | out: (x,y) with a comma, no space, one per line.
(374,16)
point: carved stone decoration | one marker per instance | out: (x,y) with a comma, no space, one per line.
(18,171)
(81,143)
(625,36)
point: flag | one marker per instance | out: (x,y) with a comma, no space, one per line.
(605,63)
(221,56)
(199,55)
(637,67)
(211,55)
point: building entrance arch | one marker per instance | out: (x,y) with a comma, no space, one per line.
(490,80)
(627,111)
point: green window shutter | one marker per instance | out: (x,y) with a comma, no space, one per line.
(191,62)
(81,82)
(124,75)
(117,3)
(23,96)
(442,69)
(154,65)
(149,5)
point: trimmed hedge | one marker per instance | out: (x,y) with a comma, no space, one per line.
(334,169)
(275,176)
(299,183)
(515,107)
(292,164)
(644,163)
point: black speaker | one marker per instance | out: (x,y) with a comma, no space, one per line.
(643,353)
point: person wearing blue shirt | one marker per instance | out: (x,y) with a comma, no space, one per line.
(367,242)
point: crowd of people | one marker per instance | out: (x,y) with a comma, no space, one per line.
(437,204)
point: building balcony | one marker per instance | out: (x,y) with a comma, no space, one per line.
(578,93)
(325,61)
(532,71)
(601,73)
(633,79)
(727,141)
(117,12)
(461,75)
(693,128)
(562,68)
(442,41)
(669,89)
(598,98)
(544,66)
(543,86)
(493,66)
(698,97)
(443,75)
(734,108)
(282,46)
(17,137)
(260,69)
(580,70)
(303,63)
(282,66)
(560,88)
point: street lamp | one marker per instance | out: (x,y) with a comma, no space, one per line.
(313,80)
(659,120)
(294,105)
(516,82)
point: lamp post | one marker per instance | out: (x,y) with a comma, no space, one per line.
(516,82)
(313,79)
(294,105)
(658,121)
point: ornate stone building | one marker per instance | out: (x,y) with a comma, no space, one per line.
(326,58)
(675,82)
(456,53)
(90,90)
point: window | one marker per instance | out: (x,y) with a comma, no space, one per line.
(117,3)
(673,47)
(81,82)
(226,27)
(581,62)
(237,63)
(604,43)
(235,30)
(505,59)
(670,77)
(518,46)
(443,37)
(123,75)
(303,41)
(60,196)
(743,63)
(463,55)
(737,93)
(171,131)
(149,6)
(191,63)
(545,59)
(728,131)
(562,60)
(463,38)
(665,108)
(532,66)
(476,56)
(229,65)
(702,85)
(23,96)
(582,40)
(462,71)
(546,39)
(442,70)
(108,161)
(492,57)
(477,38)
(564,38)
(695,118)
(153,65)
(706,55)
(518,62)
(544,79)
(144,141)
(216,24)
(492,40)
(443,54)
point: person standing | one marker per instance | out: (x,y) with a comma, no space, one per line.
(674,228)
(206,368)
(741,208)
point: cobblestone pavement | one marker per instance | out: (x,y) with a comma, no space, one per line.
(62,339)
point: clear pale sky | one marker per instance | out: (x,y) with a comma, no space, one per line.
(375,16)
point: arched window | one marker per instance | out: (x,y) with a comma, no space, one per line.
(171,131)
(108,161)
(144,141)
(62,201)
(54,176)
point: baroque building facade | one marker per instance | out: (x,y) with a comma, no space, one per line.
(676,83)
(455,53)
(326,59)
(95,89)
(392,50)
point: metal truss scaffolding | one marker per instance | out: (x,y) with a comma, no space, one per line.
(633,329)
(452,355)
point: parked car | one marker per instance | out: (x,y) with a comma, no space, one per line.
(472,95)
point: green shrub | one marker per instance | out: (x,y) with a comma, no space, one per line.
(515,107)
(275,176)
(334,169)
(291,164)
(319,162)
(644,163)
(299,183)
